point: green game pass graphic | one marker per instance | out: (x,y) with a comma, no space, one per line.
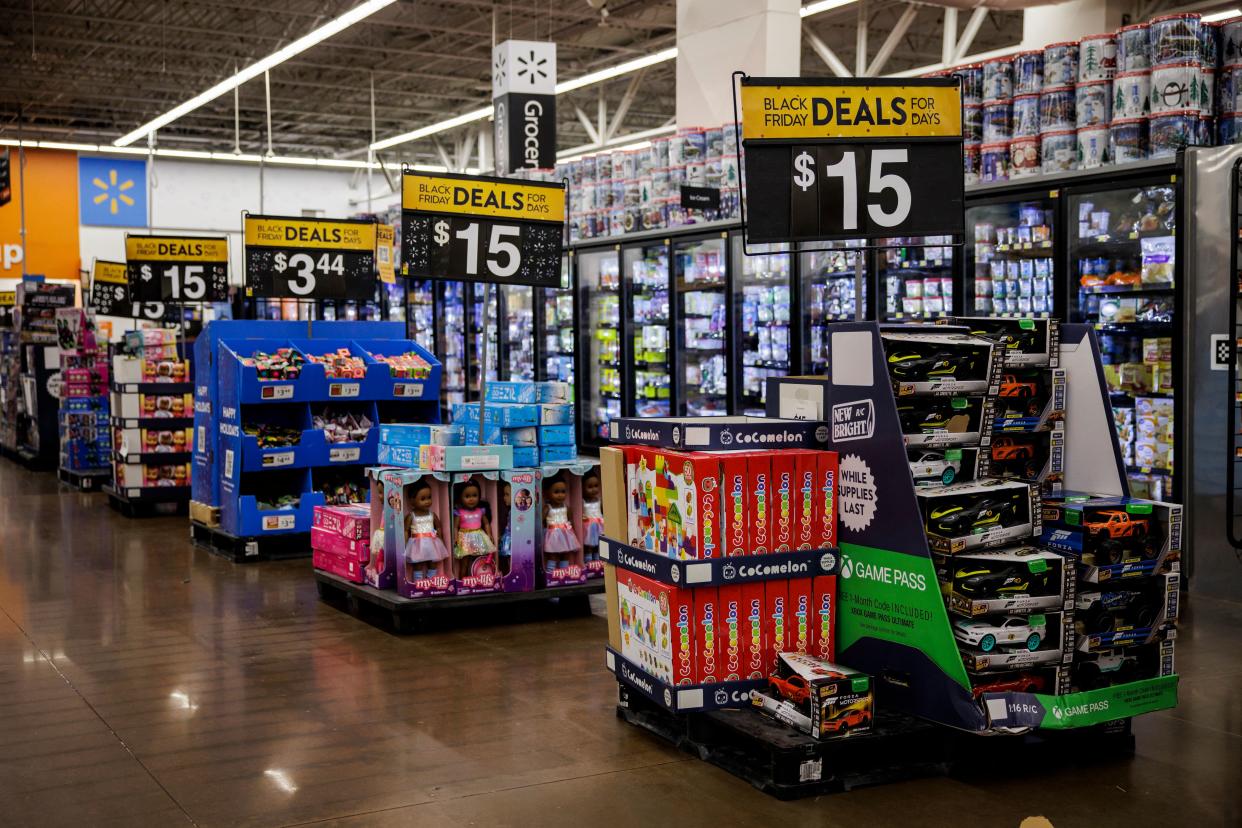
(894,597)
(1108,703)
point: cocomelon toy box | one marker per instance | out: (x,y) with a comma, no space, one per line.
(657,627)
(674,502)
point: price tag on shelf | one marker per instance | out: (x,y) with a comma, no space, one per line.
(407,389)
(482,229)
(344,389)
(276,523)
(852,158)
(274,461)
(305,258)
(177,268)
(344,454)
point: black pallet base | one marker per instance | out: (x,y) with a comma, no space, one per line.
(408,615)
(250,550)
(787,764)
(138,507)
(91,481)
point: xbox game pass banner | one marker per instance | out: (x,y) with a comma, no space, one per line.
(524,105)
(482,229)
(848,158)
(177,268)
(298,258)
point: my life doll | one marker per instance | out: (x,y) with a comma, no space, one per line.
(592,516)
(506,539)
(474,550)
(559,539)
(425,552)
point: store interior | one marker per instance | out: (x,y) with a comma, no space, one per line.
(508,412)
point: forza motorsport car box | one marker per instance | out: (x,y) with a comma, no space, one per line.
(939,422)
(1025,342)
(980,515)
(1015,580)
(942,467)
(1036,457)
(1014,642)
(1029,399)
(817,697)
(1114,538)
(940,363)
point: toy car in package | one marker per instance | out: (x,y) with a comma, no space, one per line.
(934,422)
(1022,342)
(942,467)
(1030,399)
(939,363)
(1036,457)
(817,697)
(1014,642)
(1114,537)
(1014,580)
(983,514)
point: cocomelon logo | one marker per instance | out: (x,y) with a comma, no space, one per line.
(737,504)
(636,680)
(732,639)
(708,623)
(806,489)
(829,492)
(778,619)
(709,525)
(761,512)
(783,486)
(632,433)
(683,638)
(801,612)
(756,629)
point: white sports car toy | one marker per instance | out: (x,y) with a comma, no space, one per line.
(1014,632)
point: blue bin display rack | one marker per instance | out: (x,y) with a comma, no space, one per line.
(230,471)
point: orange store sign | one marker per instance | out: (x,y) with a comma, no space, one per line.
(51,183)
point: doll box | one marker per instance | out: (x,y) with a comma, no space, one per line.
(400,487)
(523,516)
(351,522)
(485,574)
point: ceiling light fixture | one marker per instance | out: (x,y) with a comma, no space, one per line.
(1221,15)
(588,79)
(823,6)
(202,155)
(349,18)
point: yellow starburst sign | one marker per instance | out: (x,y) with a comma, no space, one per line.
(113,191)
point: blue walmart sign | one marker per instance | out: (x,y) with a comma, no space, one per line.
(112,191)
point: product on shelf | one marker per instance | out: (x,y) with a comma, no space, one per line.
(817,697)
(284,364)
(949,363)
(341,426)
(1012,580)
(340,364)
(937,422)
(941,467)
(986,513)
(1115,538)
(405,366)
(270,435)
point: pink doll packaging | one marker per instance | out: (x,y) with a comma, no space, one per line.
(422,518)
(562,556)
(476,512)
(381,568)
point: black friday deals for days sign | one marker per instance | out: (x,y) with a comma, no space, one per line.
(177,268)
(852,158)
(309,258)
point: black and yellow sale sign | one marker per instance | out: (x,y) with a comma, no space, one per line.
(852,158)
(8,298)
(309,258)
(482,229)
(177,268)
(109,294)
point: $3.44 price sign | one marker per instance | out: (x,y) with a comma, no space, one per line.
(852,158)
(309,258)
(177,269)
(482,229)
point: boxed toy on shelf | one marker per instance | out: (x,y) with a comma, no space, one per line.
(341,540)
(84,418)
(817,697)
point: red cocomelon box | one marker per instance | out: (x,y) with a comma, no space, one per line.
(735,503)
(754,634)
(657,627)
(731,648)
(759,518)
(799,628)
(784,501)
(776,626)
(707,635)
(826,500)
(674,502)
(806,476)
(824,620)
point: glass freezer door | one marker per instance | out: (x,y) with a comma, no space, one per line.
(451,312)
(421,313)
(1123,263)
(519,331)
(701,277)
(599,294)
(647,292)
(483,322)
(828,296)
(1009,262)
(556,340)
(761,292)
(917,279)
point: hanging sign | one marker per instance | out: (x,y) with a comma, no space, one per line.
(852,158)
(524,105)
(481,229)
(109,294)
(385,239)
(306,258)
(177,268)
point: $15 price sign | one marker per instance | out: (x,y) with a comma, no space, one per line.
(863,158)
(481,229)
(309,258)
(177,268)
(110,294)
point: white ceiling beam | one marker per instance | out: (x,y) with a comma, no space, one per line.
(591,131)
(631,90)
(826,54)
(894,37)
(860,42)
(948,46)
(968,34)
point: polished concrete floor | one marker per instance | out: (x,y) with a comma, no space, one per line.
(143,682)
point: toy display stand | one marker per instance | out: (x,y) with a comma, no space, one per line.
(248,549)
(151,501)
(785,763)
(138,501)
(420,614)
(91,480)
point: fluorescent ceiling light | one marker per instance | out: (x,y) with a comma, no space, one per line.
(197,155)
(564,86)
(629,141)
(349,18)
(823,6)
(1221,15)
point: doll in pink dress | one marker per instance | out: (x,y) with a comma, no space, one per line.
(474,549)
(592,516)
(425,552)
(559,540)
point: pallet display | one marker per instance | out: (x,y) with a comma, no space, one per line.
(287,415)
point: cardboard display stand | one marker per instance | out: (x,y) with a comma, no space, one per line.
(893,621)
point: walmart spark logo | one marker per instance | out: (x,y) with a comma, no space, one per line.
(112,191)
(532,67)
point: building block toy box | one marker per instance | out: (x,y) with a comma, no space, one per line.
(817,697)
(940,363)
(657,627)
(983,514)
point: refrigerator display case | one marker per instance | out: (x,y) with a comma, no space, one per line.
(599,301)
(762,295)
(830,294)
(1124,269)
(555,339)
(421,313)
(482,319)
(450,314)
(916,276)
(701,277)
(649,327)
(1011,257)
(517,354)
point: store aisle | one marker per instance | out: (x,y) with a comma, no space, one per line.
(143,682)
